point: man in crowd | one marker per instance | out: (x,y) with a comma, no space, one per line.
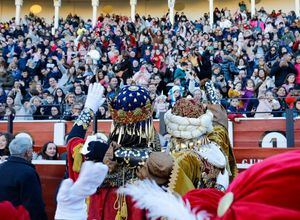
(20,183)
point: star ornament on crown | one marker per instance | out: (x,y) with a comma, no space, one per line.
(131,105)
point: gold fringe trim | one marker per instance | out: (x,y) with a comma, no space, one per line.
(173,177)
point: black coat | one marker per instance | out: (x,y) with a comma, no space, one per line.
(281,73)
(20,184)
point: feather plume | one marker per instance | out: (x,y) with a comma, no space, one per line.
(160,203)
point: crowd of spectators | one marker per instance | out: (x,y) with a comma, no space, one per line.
(48,151)
(254,63)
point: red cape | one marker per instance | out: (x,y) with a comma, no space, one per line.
(267,190)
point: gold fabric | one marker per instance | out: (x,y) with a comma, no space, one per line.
(190,172)
(77,156)
(186,169)
(220,136)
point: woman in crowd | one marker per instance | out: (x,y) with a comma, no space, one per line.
(49,152)
(289,82)
(59,96)
(69,101)
(55,113)
(79,95)
(5,139)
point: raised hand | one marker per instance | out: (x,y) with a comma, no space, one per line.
(95,97)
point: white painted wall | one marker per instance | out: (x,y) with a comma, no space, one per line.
(193,8)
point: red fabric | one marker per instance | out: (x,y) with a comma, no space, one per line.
(290,100)
(70,147)
(9,212)
(102,206)
(205,199)
(267,190)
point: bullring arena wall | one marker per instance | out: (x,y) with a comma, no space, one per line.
(193,8)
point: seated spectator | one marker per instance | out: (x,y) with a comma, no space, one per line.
(49,151)
(79,95)
(289,82)
(9,112)
(297,108)
(59,96)
(5,139)
(55,113)
(69,101)
(2,110)
(248,93)
(281,94)
(53,85)
(174,94)
(234,109)
(180,73)
(73,113)
(36,101)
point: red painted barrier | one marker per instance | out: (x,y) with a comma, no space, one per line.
(247,136)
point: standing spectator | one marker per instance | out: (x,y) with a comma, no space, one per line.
(281,69)
(21,185)
(267,103)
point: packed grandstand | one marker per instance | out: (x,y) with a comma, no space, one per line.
(254,63)
(204,79)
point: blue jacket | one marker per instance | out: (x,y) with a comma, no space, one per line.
(20,184)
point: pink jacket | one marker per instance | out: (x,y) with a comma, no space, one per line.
(254,24)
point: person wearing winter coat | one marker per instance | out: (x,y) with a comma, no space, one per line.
(181,74)
(267,103)
(6,80)
(21,185)
(281,69)
(229,68)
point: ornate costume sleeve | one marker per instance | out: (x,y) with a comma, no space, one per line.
(75,158)
(76,141)
(81,124)
(186,172)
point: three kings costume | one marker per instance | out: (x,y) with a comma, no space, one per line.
(134,133)
(197,161)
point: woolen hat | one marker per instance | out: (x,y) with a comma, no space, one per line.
(158,167)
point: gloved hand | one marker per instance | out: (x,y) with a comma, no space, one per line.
(71,196)
(223,179)
(95,97)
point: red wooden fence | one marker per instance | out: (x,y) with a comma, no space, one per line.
(246,138)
